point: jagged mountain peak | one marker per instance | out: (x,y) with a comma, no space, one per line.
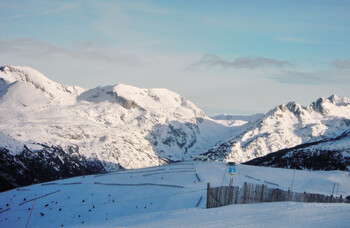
(334,97)
(287,125)
(338,100)
(292,106)
(283,112)
(333,105)
(320,105)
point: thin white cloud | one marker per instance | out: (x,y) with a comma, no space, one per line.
(28,47)
(241,62)
(295,40)
(64,7)
(326,77)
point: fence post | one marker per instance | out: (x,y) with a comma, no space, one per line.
(262,193)
(208,195)
(245,192)
(288,195)
(333,189)
(249,193)
(291,187)
(30,213)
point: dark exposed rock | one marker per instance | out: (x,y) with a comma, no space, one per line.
(306,156)
(50,163)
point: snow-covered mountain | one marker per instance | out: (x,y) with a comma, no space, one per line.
(28,87)
(287,126)
(327,154)
(50,131)
(113,127)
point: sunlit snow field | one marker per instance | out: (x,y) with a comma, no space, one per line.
(168,195)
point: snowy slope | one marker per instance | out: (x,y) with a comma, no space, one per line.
(287,126)
(327,154)
(246,215)
(35,88)
(168,195)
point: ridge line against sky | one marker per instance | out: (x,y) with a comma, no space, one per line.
(227,57)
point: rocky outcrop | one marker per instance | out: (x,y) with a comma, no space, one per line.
(36,166)
(330,154)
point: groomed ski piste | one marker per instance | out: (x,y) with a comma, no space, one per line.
(174,196)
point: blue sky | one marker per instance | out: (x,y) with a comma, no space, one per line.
(238,57)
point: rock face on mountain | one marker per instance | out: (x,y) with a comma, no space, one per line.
(101,129)
(327,154)
(287,126)
(45,164)
(50,131)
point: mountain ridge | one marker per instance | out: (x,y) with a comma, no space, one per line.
(125,127)
(327,154)
(287,125)
(119,126)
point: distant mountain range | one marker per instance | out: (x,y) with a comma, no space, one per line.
(287,126)
(50,131)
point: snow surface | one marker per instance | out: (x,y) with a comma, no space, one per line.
(283,214)
(167,196)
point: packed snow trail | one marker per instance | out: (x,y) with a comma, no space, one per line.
(80,202)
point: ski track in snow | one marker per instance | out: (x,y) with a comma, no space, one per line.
(78,202)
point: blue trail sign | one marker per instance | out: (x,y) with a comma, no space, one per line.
(232,170)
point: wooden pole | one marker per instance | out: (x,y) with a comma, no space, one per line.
(245,192)
(230,192)
(208,195)
(333,189)
(262,193)
(336,194)
(30,213)
(291,187)
(288,197)
(223,178)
